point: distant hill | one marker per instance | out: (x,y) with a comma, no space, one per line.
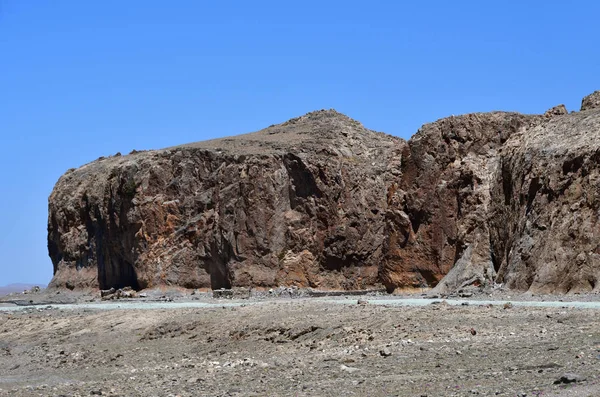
(17,287)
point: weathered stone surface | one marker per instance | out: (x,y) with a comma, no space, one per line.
(544,214)
(591,101)
(558,110)
(437,217)
(322,202)
(300,203)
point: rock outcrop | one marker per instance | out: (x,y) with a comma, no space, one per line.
(544,214)
(300,203)
(442,205)
(591,101)
(320,201)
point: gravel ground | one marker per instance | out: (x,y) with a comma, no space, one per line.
(301,347)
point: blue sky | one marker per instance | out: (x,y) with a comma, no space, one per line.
(83,79)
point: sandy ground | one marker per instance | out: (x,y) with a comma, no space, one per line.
(301,347)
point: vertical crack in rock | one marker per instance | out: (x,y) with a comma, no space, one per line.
(221,254)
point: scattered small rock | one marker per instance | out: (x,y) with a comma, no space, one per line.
(223,293)
(107,292)
(569,378)
(385,352)
(350,370)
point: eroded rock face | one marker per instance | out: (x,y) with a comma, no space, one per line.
(591,101)
(544,214)
(320,201)
(301,203)
(438,215)
(558,110)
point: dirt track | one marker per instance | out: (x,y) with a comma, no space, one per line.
(300,348)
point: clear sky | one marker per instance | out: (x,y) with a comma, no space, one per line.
(84,79)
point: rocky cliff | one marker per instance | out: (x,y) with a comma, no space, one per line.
(300,203)
(546,197)
(320,201)
(441,206)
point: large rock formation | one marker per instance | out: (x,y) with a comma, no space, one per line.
(442,205)
(320,201)
(591,101)
(301,203)
(546,198)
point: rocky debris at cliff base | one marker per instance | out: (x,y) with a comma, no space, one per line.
(107,292)
(121,293)
(497,293)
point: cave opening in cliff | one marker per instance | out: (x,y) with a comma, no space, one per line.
(335,263)
(495,262)
(417,218)
(428,276)
(219,278)
(117,274)
(221,254)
